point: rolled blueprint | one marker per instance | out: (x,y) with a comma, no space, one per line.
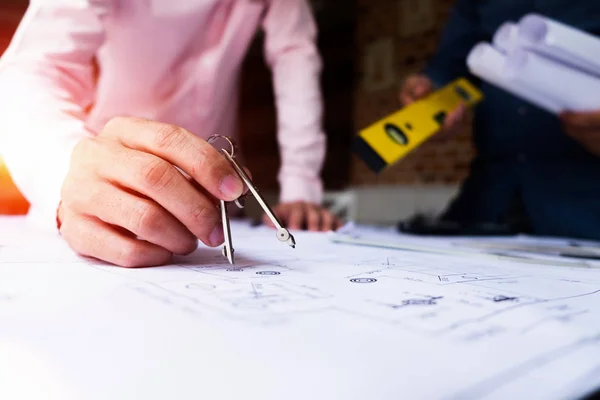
(561,42)
(506,37)
(569,88)
(489,64)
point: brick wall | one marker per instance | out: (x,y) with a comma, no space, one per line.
(395,38)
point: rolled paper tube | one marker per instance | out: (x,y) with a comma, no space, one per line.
(570,88)
(506,37)
(489,64)
(560,42)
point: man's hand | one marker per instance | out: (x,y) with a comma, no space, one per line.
(415,87)
(301,215)
(583,127)
(419,86)
(124,202)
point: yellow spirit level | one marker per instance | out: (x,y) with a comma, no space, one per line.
(387,141)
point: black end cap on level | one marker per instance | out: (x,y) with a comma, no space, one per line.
(368,155)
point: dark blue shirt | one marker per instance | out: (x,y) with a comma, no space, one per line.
(522,151)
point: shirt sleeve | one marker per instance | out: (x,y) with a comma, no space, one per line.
(292,54)
(461,34)
(46,85)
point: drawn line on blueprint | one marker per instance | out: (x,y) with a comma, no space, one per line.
(541,321)
(511,308)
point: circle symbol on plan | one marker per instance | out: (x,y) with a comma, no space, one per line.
(268,273)
(363,280)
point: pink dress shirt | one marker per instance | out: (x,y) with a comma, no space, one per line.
(74,64)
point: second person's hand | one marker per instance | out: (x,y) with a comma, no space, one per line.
(583,127)
(125,202)
(302,215)
(418,86)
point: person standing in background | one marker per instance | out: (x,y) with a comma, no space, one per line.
(101,100)
(532,169)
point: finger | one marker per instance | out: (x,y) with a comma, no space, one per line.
(590,139)
(454,119)
(181,148)
(282,212)
(93,238)
(313,218)
(573,132)
(406,97)
(405,94)
(461,111)
(581,119)
(205,192)
(414,88)
(267,221)
(338,223)
(296,217)
(140,216)
(160,181)
(213,200)
(583,133)
(328,222)
(421,88)
(455,116)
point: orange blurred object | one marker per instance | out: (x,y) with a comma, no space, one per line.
(12,201)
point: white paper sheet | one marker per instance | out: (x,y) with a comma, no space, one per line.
(322,321)
(520,249)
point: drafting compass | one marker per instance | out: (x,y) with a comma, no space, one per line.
(283,235)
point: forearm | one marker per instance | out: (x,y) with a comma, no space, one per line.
(296,65)
(301,139)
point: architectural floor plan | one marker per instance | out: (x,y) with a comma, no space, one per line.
(324,320)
